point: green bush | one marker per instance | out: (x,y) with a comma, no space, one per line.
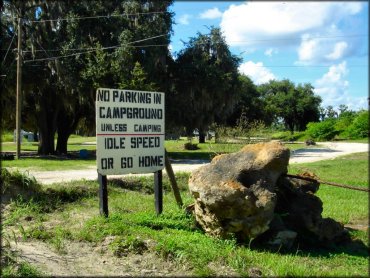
(288,136)
(343,122)
(324,130)
(359,127)
(7,136)
(191,147)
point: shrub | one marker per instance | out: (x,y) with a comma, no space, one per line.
(288,136)
(7,136)
(191,147)
(242,131)
(343,122)
(359,127)
(324,130)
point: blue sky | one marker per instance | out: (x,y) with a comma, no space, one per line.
(322,43)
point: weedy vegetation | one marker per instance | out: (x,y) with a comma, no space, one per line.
(69,212)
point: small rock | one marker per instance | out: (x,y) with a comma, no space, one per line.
(254,272)
(310,142)
(28,218)
(284,239)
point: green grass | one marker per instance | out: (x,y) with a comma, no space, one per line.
(6,136)
(175,150)
(22,269)
(75,143)
(344,205)
(209,149)
(49,164)
(70,212)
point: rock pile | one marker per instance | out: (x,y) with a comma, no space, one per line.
(246,194)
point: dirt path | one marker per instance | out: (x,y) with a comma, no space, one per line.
(326,150)
(83,259)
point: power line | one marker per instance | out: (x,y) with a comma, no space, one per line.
(247,41)
(6,54)
(304,66)
(78,49)
(92,50)
(303,39)
(94,17)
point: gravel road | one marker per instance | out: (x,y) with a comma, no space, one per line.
(326,150)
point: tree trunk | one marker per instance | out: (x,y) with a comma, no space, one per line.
(35,136)
(46,139)
(202,136)
(62,142)
(67,124)
(46,120)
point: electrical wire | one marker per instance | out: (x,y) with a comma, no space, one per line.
(79,49)
(303,39)
(247,41)
(93,17)
(305,66)
(6,54)
(92,50)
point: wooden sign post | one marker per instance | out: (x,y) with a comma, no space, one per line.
(130,138)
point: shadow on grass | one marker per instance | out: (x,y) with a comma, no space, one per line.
(191,155)
(145,184)
(315,248)
(311,152)
(23,188)
(55,199)
(140,185)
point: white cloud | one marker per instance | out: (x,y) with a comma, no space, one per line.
(263,24)
(184,19)
(320,50)
(257,72)
(334,89)
(334,75)
(211,14)
(266,20)
(270,51)
(338,51)
(307,49)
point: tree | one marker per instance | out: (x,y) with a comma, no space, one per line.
(345,119)
(127,66)
(8,34)
(359,128)
(295,105)
(96,45)
(249,103)
(206,81)
(330,112)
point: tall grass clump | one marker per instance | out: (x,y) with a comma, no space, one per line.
(17,184)
(242,132)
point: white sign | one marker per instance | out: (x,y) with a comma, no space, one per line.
(129,131)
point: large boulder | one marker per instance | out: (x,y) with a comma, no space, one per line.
(300,210)
(235,193)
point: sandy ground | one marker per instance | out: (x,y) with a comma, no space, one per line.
(325,150)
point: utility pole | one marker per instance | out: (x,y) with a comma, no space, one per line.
(19,89)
